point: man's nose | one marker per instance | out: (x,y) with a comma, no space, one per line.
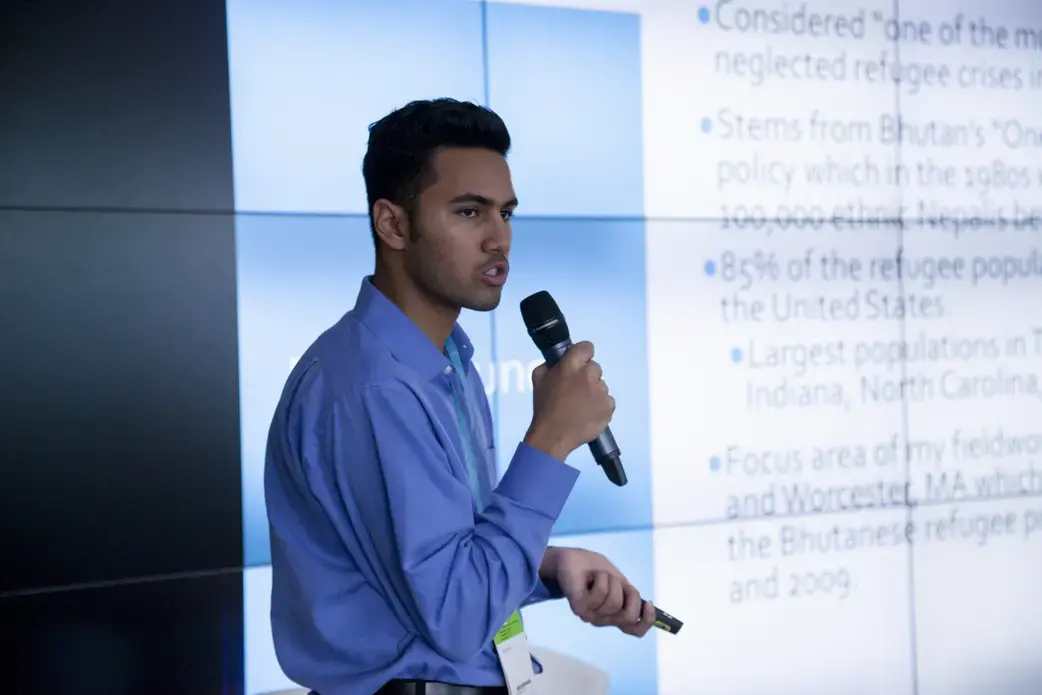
(498,238)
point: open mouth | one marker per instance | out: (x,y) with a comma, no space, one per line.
(497,274)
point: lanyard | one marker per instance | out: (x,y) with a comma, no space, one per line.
(519,666)
(473,475)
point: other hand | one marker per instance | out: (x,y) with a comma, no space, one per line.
(571,403)
(598,593)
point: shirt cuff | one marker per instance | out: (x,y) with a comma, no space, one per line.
(542,593)
(538,481)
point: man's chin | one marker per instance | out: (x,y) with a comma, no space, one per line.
(488,302)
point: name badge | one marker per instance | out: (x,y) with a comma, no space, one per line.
(514,656)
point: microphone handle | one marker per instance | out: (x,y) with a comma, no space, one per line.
(604,449)
(663,620)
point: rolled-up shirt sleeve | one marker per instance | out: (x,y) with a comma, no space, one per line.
(462,574)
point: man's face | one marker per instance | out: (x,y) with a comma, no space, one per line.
(460,229)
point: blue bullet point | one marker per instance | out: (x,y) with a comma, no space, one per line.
(736,355)
(703,15)
(707,125)
(714,464)
(710,268)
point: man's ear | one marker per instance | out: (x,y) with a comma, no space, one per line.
(391,223)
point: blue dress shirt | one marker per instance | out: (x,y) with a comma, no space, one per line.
(382,564)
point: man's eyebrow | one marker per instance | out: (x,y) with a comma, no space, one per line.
(481,200)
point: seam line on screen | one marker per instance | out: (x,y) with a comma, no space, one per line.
(913,638)
(679,525)
(604,530)
(897,224)
(125,581)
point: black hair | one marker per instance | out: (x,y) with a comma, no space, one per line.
(398,162)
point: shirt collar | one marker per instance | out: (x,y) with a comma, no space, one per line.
(406,341)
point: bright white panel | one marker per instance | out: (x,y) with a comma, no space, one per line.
(971,132)
(974,387)
(766,618)
(978,617)
(768,109)
(975,423)
(774,370)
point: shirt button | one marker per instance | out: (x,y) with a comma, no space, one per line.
(448,370)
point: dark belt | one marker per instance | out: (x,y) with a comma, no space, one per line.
(411,687)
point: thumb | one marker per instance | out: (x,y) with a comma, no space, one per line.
(538,374)
(577,355)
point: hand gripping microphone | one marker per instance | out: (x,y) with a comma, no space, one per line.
(549,332)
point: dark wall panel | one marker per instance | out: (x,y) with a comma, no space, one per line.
(108,103)
(119,426)
(176,636)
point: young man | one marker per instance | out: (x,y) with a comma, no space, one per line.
(396,555)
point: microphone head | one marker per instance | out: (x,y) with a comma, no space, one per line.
(544,320)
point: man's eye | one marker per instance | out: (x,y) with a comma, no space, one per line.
(507,214)
(469,212)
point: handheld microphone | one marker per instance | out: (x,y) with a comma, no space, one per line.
(663,620)
(549,332)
